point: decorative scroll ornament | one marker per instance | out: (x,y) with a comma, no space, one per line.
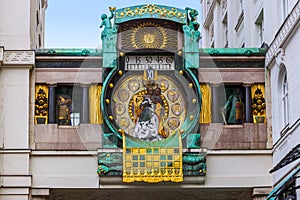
(151,9)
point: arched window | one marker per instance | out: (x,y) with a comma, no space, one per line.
(282,100)
(285,100)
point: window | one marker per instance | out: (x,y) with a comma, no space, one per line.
(285,100)
(225,31)
(285,8)
(260,27)
(68,104)
(233,106)
(211,35)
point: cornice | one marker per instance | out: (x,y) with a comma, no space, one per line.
(284,32)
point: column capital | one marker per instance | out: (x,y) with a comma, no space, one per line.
(52,84)
(85,85)
(248,84)
(214,84)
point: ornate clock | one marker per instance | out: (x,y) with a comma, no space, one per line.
(151,99)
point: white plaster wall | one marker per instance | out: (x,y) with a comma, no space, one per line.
(64,171)
(232,16)
(14,97)
(14,197)
(248,32)
(15,24)
(292,61)
(291,139)
(12,166)
(276,117)
(217,14)
(238,170)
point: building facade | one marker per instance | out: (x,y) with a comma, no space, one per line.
(275,26)
(22,31)
(66,112)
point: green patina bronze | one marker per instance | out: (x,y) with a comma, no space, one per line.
(109,40)
(194,164)
(233,51)
(68,52)
(202,51)
(110,164)
(193,141)
(191,39)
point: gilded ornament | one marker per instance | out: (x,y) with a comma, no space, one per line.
(173,95)
(112,8)
(123,122)
(151,9)
(111,117)
(194,100)
(181,72)
(191,117)
(258,103)
(173,123)
(180,53)
(122,54)
(120,72)
(149,35)
(120,108)
(177,109)
(107,101)
(191,85)
(123,95)
(134,85)
(111,85)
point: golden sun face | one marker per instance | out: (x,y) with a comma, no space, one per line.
(149,35)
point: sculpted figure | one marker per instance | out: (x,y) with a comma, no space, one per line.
(64,101)
(108,28)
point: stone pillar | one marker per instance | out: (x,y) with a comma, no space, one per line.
(215,104)
(52,104)
(15,123)
(85,104)
(248,98)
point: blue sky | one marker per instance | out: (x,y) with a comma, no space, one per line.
(75,23)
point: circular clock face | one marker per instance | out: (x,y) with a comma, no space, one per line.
(152,110)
